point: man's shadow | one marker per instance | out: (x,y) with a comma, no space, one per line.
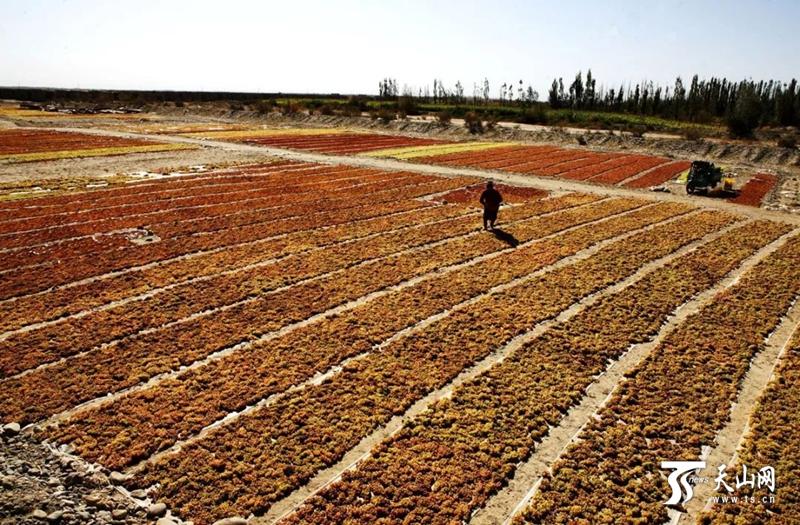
(506,237)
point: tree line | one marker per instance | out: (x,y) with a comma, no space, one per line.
(743,105)
(769,102)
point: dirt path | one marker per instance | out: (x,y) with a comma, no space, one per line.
(545,183)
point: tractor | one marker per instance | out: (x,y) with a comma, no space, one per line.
(703,176)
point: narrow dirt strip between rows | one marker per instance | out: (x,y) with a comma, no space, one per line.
(363,450)
(512,499)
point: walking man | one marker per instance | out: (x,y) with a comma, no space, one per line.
(491,200)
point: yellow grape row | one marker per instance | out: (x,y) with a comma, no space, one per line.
(93,152)
(410,152)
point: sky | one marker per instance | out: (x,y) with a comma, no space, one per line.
(347,46)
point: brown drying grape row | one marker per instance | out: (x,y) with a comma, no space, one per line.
(247,245)
(143,190)
(659,175)
(772,441)
(276,181)
(69,248)
(340,143)
(447,462)
(233,382)
(13,141)
(31,280)
(198,209)
(670,407)
(49,343)
(129,361)
(606,168)
(388,217)
(305,431)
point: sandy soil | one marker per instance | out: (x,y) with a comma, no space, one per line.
(162,162)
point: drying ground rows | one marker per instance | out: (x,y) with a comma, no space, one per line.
(309,343)
(622,169)
(27,145)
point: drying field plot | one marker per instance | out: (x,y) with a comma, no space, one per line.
(27,145)
(576,164)
(618,169)
(321,140)
(304,343)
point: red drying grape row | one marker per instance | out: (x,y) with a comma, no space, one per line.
(456,157)
(608,168)
(26,281)
(340,142)
(490,161)
(307,430)
(566,166)
(493,158)
(61,251)
(333,339)
(140,190)
(533,166)
(465,448)
(265,210)
(511,194)
(128,362)
(599,168)
(637,165)
(659,175)
(754,190)
(671,406)
(232,248)
(34,347)
(195,208)
(154,193)
(257,193)
(14,141)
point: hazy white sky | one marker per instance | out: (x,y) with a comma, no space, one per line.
(347,46)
